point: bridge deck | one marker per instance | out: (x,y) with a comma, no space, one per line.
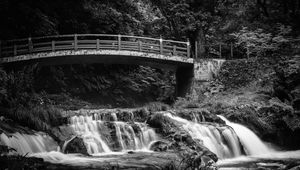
(80,44)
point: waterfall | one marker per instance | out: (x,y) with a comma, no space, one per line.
(103,133)
(222,140)
(25,143)
(100,131)
(250,141)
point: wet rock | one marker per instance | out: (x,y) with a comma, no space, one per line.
(20,162)
(76,145)
(181,141)
(141,115)
(6,149)
(208,163)
(159,146)
(198,115)
(125,115)
(108,115)
(197,160)
(162,123)
(108,131)
(62,133)
(295,168)
(269,118)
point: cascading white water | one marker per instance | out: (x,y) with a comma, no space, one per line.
(103,134)
(94,131)
(220,140)
(87,128)
(224,141)
(24,143)
(250,141)
(256,151)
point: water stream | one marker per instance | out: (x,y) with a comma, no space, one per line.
(233,143)
(102,136)
(222,140)
(25,143)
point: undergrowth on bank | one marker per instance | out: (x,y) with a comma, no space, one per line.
(20,103)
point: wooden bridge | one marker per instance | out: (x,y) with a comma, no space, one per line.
(110,47)
(103,48)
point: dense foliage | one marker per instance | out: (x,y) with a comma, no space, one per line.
(110,85)
(20,103)
(203,20)
(258,28)
(258,43)
(50,17)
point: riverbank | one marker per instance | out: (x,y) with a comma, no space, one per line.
(134,160)
(277,160)
(261,94)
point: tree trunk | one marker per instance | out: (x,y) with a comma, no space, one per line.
(200,38)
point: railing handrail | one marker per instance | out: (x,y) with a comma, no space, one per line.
(93,35)
(94,41)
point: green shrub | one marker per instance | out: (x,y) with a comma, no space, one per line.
(185,103)
(157,106)
(37,118)
(258,42)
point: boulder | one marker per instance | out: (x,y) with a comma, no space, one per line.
(159,146)
(180,140)
(125,115)
(140,115)
(76,145)
(199,115)
(295,168)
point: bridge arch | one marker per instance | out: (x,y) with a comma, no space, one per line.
(103,48)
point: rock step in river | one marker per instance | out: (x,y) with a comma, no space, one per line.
(106,138)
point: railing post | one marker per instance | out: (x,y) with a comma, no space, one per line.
(231,50)
(199,48)
(161,47)
(188,48)
(196,49)
(15,49)
(220,50)
(75,42)
(30,46)
(53,45)
(174,50)
(140,46)
(98,44)
(119,42)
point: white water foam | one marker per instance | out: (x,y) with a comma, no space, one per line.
(25,143)
(92,129)
(250,141)
(220,140)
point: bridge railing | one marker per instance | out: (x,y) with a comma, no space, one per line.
(75,42)
(230,50)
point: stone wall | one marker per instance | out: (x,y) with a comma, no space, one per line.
(205,70)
